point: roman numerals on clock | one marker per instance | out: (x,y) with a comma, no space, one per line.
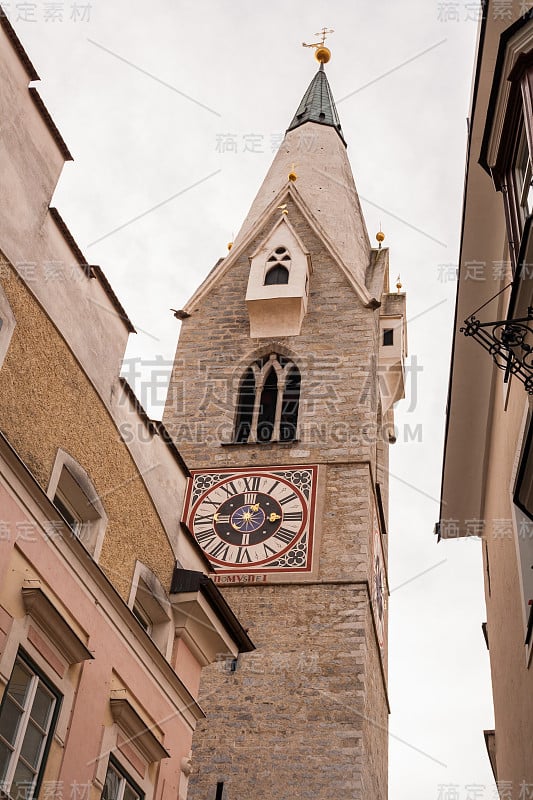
(253,521)
(292,516)
(252,484)
(284,535)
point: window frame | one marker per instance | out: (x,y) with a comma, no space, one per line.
(151,608)
(517,128)
(126,779)
(248,416)
(38,676)
(523,526)
(142,617)
(279,257)
(525,456)
(71,486)
(68,512)
(512,187)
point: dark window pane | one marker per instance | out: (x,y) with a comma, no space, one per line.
(276,276)
(141,617)
(31,746)
(267,408)
(388,337)
(112,784)
(524,484)
(23,780)
(19,683)
(42,706)
(9,720)
(129,793)
(72,521)
(5,753)
(245,407)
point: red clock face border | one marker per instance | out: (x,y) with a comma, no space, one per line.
(378,580)
(253,520)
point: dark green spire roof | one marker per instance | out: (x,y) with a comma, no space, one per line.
(318,105)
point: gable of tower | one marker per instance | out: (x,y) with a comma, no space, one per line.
(303,227)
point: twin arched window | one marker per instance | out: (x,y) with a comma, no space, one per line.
(278,265)
(269,395)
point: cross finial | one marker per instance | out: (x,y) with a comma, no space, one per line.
(323,33)
(322,53)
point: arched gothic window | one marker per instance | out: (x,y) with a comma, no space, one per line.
(245,406)
(278,265)
(269,396)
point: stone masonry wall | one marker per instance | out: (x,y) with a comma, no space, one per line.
(288,723)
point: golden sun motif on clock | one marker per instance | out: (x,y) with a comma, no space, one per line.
(253,521)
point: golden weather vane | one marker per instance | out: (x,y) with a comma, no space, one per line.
(322,53)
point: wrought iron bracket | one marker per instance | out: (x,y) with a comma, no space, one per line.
(505,341)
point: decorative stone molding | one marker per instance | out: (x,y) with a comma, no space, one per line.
(203,619)
(41,609)
(135,728)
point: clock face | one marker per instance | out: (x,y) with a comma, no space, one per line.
(258,520)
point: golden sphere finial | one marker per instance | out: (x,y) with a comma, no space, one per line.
(292,176)
(322,54)
(230,245)
(398,284)
(380,236)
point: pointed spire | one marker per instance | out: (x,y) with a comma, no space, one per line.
(318,105)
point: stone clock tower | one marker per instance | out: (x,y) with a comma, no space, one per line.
(289,361)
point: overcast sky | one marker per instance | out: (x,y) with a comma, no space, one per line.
(172,110)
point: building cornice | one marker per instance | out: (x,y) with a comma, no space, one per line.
(50,124)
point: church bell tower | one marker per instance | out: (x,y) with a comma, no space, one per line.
(289,361)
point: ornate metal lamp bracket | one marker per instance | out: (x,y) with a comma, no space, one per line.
(507,342)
